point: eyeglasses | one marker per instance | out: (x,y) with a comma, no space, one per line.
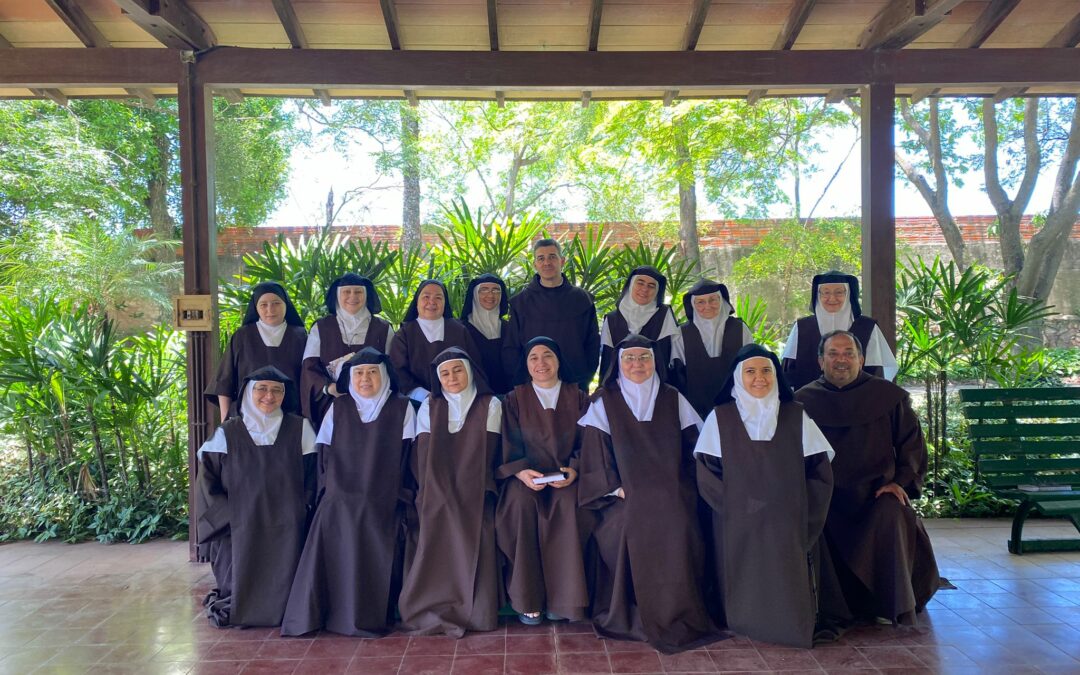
(634,358)
(832,294)
(490,291)
(262,390)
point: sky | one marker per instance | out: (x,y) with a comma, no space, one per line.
(315,170)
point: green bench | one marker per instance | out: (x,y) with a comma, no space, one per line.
(1026,444)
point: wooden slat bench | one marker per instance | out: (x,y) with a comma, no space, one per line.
(1029,437)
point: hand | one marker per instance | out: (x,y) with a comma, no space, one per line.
(894,490)
(571,476)
(527,475)
(332,390)
(620,493)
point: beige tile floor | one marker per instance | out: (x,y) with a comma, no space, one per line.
(92,608)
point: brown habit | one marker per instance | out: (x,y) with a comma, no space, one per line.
(252,506)
(766,487)
(350,571)
(702,377)
(313,402)
(648,581)
(451,576)
(804,369)
(490,352)
(539,533)
(883,555)
(247,352)
(411,354)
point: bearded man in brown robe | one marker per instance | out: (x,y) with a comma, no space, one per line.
(883,558)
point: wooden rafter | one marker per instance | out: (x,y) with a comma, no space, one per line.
(4,44)
(172,23)
(789,33)
(1066,38)
(410,96)
(390,18)
(54,95)
(287,16)
(80,24)
(230,94)
(493,24)
(596,14)
(586,99)
(690,37)
(978,33)
(897,25)
(500,99)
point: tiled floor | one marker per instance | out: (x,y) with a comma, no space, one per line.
(135,609)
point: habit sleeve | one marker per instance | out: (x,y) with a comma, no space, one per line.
(399,358)
(311,479)
(511,349)
(710,480)
(514,458)
(819,484)
(911,457)
(211,498)
(599,476)
(591,331)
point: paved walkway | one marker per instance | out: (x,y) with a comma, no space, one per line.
(136,609)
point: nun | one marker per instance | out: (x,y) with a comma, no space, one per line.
(271,334)
(429,327)
(350,325)
(349,574)
(641,310)
(637,475)
(834,305)
(702,352)
(451,573)
(763,466)
(255,486)
(486,303)
(538,526)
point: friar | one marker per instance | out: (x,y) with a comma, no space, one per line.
(705,346)
(641,309)
(550,305)
(483,311)
(881,551)
(254,489)
(350,324)
(429,327)
(538,527)
(834,305)
(349,574)
(637,475)
(271,334)
(451,572)
(763,467)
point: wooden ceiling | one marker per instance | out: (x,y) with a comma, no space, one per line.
(537,26)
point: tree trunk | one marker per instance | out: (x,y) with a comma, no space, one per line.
(410,178)
(1011,211)
(98,450)
(329,219)
(688,235)
(157,199)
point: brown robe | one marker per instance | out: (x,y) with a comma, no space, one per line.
(702,377)
(350,571)
(246,353)
(804,368)
(540,533)
(766,486)
(651,556)
(313,402)
(619,329)
(881,551)
(252,507)
(491,358)
(451,573)
(411,354)
(567,315)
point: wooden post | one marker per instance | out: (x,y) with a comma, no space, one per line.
(196,112)
(878,207)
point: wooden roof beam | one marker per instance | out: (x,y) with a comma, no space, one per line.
(690,37)
(901,22)
(1066,38)
(54,95)
(4,44)
(789,33)
(390,18)
(493,24)
(978,33)
(287,16)
(586,99)
(500,99)
(172,23)
(596,14)
(897,25)
(233,96)
(80,24)
(410,96)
